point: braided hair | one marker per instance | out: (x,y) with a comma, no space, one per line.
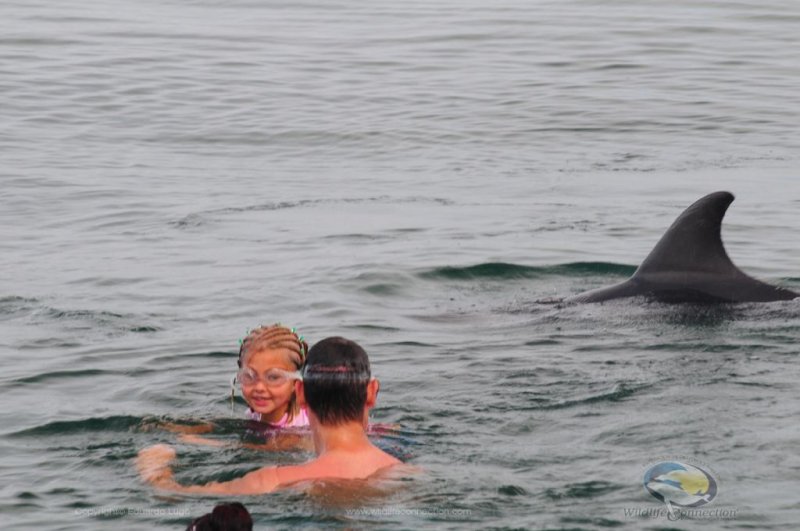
(274,337)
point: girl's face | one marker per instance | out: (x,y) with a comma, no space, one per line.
(270,400)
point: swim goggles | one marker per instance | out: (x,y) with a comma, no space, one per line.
(274,377)
(335,372)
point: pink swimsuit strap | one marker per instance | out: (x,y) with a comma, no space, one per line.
(299,420)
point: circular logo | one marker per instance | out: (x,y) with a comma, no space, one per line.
(680,484)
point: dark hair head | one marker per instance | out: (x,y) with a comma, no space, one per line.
(225,517)
(335,379)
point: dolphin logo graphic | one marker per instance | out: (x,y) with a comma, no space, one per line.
(680,484)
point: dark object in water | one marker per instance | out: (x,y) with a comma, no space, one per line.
(689,264)
(225,517)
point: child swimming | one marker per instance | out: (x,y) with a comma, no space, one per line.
(338,391)
(269,362)
(270,359)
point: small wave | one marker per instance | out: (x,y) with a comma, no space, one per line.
(512,490)
(698,347)
(378,328)
(619,66)
(357,237)
(144,329)
(27,500)
(182,357)
(506,271)
(755,384)
(93,319)
(13,305)
(49,343)
(14,299)
(89,315)
(497,270)
(95,424)
(383,289)
(58,375)
(619,392)
(199,218)
(587,489)
(34,41)
(541,342)
(380,284)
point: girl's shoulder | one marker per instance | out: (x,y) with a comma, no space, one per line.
(298,421)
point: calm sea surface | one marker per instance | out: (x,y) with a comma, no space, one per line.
(417,176)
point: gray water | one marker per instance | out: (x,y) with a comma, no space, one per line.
(417,176)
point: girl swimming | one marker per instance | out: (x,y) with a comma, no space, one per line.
(270,359)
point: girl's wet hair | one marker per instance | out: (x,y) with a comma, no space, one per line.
(335,380)
(274,337)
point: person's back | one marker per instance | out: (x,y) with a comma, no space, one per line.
(339,391)
(358,464)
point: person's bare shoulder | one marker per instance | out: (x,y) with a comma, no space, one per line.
(286,475)
(337,467)
(384,460)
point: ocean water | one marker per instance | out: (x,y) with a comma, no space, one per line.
(421,177)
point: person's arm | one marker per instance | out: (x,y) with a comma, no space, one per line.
(153,465)
(281,442)
(187,433)
(187,429)
(196,439)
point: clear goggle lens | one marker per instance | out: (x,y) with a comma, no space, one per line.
(271,377)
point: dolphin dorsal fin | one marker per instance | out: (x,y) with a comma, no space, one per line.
(693,242)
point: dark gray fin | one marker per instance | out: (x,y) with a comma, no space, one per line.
(689,264)
(691,260)
(693,243)
(629,288)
